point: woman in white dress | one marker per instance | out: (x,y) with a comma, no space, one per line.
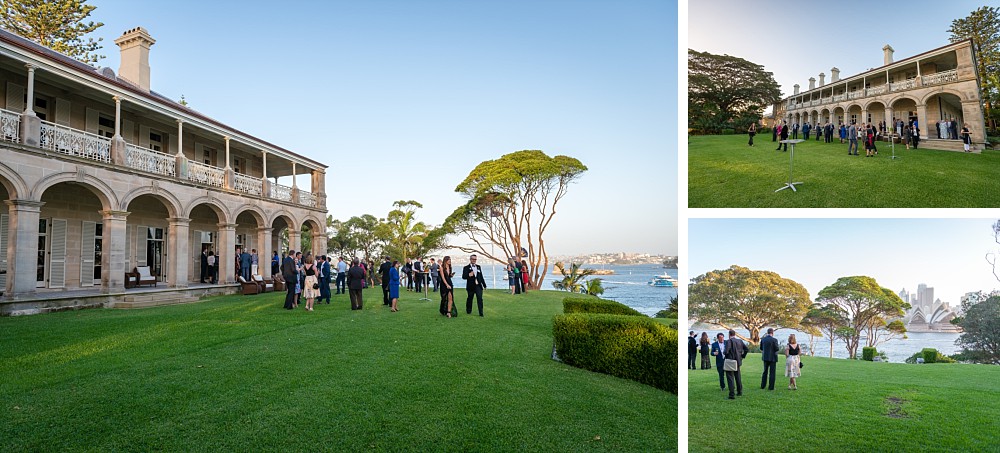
(792,364)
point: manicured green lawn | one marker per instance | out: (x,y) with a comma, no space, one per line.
(239,373)
(723,172)
(846,405)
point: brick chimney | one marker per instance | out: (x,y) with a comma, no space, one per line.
(887,50)
(822,77)
(796,89)
(812,83)
(134,67)
(834,74)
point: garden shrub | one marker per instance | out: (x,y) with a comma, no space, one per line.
(595,305)
(629,347)
(930,355)
(868,353)
(938,357)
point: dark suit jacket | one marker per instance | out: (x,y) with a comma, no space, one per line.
(717,350)
(384,271)
(736,349)
(692,345)
(470,283)
(326,271)
(769,349)
(356,277)
(288,270)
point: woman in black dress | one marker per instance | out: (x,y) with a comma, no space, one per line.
(966,137)
(447,288)
(706,346)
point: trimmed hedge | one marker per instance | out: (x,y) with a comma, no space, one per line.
(595,305)
(629,347)
(868,353)
(930,355)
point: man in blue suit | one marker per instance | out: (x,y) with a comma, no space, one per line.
(717,349)
(324,280)
(769,354)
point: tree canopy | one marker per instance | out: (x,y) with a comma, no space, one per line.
(57,24)
(983,27)
(867,309)
(510,202)
(727,92)
(749,298)
(980,339)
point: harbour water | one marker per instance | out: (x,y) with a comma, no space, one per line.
(628,285)
(896,350)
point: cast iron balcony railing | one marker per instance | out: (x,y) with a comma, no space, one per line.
(150,161)
(69,141)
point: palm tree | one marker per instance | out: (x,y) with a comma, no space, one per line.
(573,279)
(594,287)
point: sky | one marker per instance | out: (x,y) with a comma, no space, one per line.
(946,254)
(796,40)
(402,99)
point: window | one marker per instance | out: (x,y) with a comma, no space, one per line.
(155,141)
(98,246)
(238,165)
(41,108)
(105,126)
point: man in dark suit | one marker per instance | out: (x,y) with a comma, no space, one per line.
(418,275)
(717,349)
(324,279)
(383,270)
(290,276)
(692,350)
(769,354)
(356,284)
(204,266)
(246,261)
(783,136)
(474,284)
(736,350)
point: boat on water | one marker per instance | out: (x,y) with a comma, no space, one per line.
(663,281)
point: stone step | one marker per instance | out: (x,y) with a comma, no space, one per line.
(172,300)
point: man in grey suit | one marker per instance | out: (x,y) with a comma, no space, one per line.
(769,354)
(736,350)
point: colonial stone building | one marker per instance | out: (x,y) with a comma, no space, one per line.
(935,86)
(100,174)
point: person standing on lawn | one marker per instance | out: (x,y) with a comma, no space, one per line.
(769,354)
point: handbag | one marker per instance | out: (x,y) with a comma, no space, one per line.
(315,285)
(730,365)
(801,364)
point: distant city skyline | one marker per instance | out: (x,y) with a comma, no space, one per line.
(853,46)
(946,254)
(403,99)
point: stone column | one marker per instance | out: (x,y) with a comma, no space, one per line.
(182,160)
(922,123)
(31,125)
(972,113)
(294,239)
(295,190)
(179,235)
(264,250)
(230,174)
(265,185)
(318,243)
(117,142)
(22,247)
(114,256)
(226,255)
(864,116)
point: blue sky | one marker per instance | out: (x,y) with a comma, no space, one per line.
(800,39)
(403,98)
(946,254)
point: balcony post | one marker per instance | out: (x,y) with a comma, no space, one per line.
(265,185)
(230,174)
(178,236)
(117,142)
(295,186)
(182,160)
(31,125)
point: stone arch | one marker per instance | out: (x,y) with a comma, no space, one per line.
(13,182)
(254,211)
(101,189)
(839,115)
(876,110)
(214,204)
(286,216)
(892,101)
(313,223)
(869,104)
(943,90)
(168,199)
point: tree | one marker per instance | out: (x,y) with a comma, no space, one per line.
(827,319)
(980,339)
(56,24)
(867,307)
(510,202)
(983,27)
(752,299)
(723,89)
(573,277)
(670,311)
(404,233)
(594,287)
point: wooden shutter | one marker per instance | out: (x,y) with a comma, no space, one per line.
(128,131)
(63,112)
(57,254)
(143,136)
(141,235)
(171,143)
(92,118)
(87,238)
(4,222)
(15,97)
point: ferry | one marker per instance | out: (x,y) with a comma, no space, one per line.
(663,281)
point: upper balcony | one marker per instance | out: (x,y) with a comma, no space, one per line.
(73,112)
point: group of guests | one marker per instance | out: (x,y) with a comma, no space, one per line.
(246,265)
(309,278)
(518,276)
(735,350)
(393,271)
(866,133)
